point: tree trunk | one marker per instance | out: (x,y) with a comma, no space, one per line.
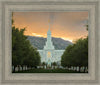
(79,68)
(84,69)
(87,69)
(25,68)
(18,67)
(22,67)
(14,69)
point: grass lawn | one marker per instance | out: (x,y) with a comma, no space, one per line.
(48,71)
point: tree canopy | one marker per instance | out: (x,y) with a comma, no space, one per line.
(23,53)
(76,54)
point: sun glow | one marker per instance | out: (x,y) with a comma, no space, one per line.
(67,39)
(38,35)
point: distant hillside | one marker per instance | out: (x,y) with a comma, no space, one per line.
(39,42)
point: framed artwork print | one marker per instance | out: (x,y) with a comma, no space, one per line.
(49,42)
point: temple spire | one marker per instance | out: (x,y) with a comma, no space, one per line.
(49,44)
(49,25)
(49,32)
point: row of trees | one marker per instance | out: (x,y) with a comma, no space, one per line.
(76,54)
(23,53)
(52,64)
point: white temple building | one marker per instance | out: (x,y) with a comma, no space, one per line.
(49,54)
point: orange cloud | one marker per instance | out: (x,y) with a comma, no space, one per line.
(66,25)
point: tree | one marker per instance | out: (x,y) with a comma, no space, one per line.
(54,64)
(66,57)
(80,53)
(43,64)
(76,54)
(23,53)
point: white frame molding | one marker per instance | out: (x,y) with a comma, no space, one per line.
(9,6)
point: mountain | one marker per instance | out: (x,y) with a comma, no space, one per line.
(39,42)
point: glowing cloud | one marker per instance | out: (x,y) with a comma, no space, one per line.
(38,35)
(67,39)
(35,34)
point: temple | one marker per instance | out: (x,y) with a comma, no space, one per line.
(49,54)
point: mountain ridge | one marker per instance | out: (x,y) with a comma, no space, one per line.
(39,42)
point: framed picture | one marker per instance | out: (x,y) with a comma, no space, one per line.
(49,42)
(34,51)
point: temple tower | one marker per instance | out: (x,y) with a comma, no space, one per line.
(49,44)
(49,48)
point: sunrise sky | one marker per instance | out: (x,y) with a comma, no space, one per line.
(66,25)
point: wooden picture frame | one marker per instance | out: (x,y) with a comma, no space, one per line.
(9,6)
